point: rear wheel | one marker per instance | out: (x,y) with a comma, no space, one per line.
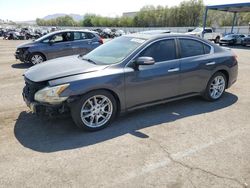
(94,111)
(215,87)
(36,58)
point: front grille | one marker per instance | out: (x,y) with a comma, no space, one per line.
(20,51)
(31,88)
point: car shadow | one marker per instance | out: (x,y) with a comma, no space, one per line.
(58,134)
(21,65)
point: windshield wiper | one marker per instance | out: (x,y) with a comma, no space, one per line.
(89,60)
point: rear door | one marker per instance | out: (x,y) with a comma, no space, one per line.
(59,45)
(196,64)
(84,42)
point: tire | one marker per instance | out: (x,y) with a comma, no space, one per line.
(217,39)
(214,89)
(85,111)
(36,58)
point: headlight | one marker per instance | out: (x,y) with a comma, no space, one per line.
(51,94)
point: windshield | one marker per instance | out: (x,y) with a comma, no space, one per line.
(230,36)
(44,37)
(198,29)
(114,51)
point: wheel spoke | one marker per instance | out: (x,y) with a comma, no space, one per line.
(96,119)
(95,100)
(89,101)
(106,112)
(86,110)
(88,115)
(103,100)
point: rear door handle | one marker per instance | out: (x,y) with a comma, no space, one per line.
(210,63)
(173,70)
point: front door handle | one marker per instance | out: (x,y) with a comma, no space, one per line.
(173,70)
(210,63)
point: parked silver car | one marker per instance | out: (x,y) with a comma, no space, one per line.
(58,44)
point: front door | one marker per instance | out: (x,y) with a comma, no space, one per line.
(151,83)
(60,45)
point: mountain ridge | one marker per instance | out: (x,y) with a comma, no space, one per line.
(76,17)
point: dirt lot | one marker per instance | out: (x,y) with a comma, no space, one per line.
(189,143)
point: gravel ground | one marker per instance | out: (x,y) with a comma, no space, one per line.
(188,143)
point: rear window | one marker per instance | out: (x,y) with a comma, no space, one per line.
(83,35)
(191,48)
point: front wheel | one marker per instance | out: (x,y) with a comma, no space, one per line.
(94,111)
(36,58)
(215,87)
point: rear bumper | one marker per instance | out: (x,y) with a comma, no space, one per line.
(245,42)
(233,75)
(226,42)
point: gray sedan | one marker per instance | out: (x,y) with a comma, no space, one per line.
(128,73)
(58,44)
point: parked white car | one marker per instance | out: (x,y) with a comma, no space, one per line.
(209,34)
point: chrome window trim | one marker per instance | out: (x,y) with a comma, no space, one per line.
(211,50)
(174,38)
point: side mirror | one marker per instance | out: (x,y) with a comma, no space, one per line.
(144,61)
(51,42)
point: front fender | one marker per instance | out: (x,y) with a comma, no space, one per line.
(112,80)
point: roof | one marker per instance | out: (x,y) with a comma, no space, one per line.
(237,7)
(161,35)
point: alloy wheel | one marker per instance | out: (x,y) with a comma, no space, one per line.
(36,59)
(217,87)
(96,111)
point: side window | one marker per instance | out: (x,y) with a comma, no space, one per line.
(90,35)
(83,35)
(77,36)
(208,31)
(207,49)
(191,48)
(46,40)
(161,51)
(61,37)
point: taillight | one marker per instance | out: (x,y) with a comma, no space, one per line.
(101,41)
(235,56)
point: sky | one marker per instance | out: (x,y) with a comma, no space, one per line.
(24,10)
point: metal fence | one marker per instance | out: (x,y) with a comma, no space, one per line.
(223,30)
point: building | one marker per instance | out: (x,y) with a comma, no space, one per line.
(129,14)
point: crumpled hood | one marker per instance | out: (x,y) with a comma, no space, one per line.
(60,67)
(27,44)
